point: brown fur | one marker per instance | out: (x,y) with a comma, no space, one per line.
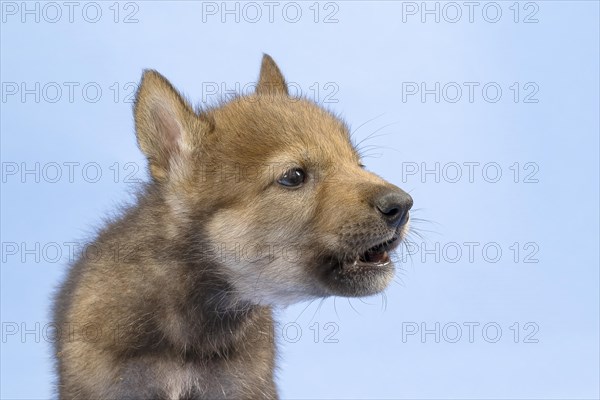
(178,304)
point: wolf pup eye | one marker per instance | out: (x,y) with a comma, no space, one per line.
(292,178)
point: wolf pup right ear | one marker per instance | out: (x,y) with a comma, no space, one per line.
(271,80)
(165,124)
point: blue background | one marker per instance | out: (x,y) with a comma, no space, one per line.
(362,61)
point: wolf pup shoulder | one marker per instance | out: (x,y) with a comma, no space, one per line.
(258,202)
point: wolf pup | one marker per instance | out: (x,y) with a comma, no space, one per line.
(258,202)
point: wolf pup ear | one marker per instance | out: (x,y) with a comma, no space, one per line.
(271,79)
(164,122)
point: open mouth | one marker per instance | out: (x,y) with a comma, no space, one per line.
(376,255)
(362,274)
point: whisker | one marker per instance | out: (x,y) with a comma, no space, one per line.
(364,302)
(363,124)
(384,301)
(317,310)
(305,308)
(370,136)
(335,309)
(349,302)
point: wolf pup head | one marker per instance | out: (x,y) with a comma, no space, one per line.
(273,188)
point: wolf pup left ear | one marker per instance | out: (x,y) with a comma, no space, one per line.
(164,123)
(271,80)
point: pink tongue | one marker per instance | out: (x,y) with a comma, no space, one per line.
(377,257)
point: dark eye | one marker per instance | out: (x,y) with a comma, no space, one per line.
(292,178)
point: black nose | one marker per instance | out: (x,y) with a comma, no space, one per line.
(394,206)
